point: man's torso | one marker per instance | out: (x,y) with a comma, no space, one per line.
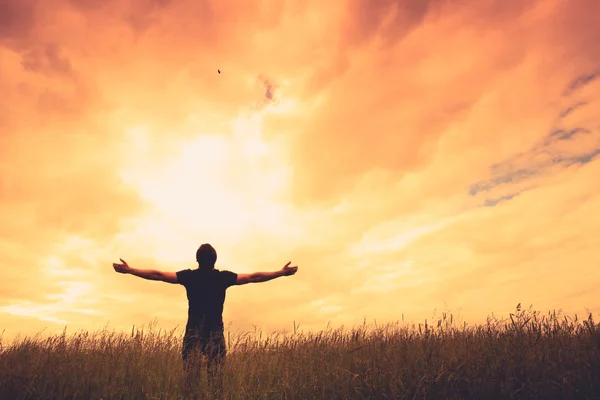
(206,297)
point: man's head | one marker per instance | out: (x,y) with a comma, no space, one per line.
(206,257)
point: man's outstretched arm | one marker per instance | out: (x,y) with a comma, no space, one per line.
(150,274)
(257,277)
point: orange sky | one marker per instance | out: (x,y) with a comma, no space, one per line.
(408,156)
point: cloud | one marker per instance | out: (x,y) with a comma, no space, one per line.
(269,89)
(580,82)
(17,19)
(390,19)
(48,58)
(383,132)
(567,145)
(494,202)
(366,132)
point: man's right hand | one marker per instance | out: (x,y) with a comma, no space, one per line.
(122,268)
(287,270)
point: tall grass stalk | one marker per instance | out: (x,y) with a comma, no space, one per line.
(527,355)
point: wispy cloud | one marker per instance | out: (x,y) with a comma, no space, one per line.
(563,147)
(494,202)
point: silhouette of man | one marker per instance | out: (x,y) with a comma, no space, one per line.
(205,287)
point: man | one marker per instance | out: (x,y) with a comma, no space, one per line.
(205,287)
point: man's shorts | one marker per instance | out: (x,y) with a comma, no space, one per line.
(211,345)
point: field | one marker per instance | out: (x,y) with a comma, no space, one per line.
(528,355)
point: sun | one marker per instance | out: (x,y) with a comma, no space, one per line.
(223,185)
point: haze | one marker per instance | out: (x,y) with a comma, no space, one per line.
(409,156)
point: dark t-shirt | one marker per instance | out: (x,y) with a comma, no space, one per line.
(206,296)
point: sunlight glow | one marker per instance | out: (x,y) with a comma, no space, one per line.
(227,184)
(351,144)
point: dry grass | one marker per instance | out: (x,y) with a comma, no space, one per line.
(528,355)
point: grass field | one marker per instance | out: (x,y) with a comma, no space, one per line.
(528,355)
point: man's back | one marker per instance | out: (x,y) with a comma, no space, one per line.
(206,297)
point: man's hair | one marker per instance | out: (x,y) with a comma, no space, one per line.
(206,257)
